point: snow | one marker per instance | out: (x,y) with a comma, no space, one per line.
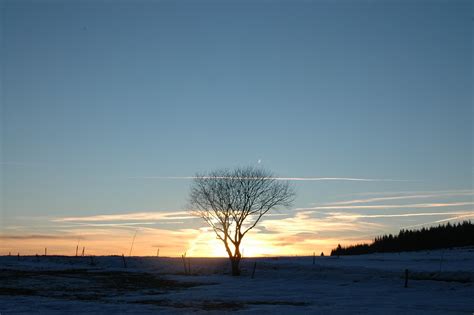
(365,284)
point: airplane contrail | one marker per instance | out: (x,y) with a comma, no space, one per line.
(278,178)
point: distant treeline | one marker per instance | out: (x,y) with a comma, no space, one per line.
(442,236)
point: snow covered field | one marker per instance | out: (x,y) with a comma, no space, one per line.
(346,285)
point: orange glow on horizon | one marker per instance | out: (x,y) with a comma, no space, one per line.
(300,234)
(196,243)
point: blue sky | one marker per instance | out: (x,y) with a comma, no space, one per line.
(96,97)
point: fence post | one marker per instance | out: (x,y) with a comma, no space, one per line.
(441,261)
(183,256)
(253,271)
(124,262)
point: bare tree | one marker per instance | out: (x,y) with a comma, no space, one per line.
(232,202)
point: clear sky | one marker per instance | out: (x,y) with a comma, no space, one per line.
(100,100)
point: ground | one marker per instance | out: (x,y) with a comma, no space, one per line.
(440,282)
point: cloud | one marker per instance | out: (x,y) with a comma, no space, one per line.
(37,237)
(398,215)
(440,221)
(411,192)
(421,196)
(303,223)
(135,216)
(121,224)
(301,231)
(414,205)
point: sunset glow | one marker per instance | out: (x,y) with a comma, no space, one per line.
(110,111)
(282,233)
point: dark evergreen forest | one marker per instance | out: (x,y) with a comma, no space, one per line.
(442,236)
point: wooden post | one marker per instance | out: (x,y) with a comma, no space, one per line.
(441,261)
(253,271)
(9,253)
(77,249)
(158,252)
(406,278)
(83,249)
(18,256)
(124,262)
(183,256)
(45,251)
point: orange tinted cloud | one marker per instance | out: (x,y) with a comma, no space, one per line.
(297,232)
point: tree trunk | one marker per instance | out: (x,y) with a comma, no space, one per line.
(235,262)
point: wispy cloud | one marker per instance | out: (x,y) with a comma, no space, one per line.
(305,222)
(121,224)
(354,179)
(414,205)
(118,224)
(404,197)
(411,192)
(139,216)
(318,228)
(465,216)
(36,237)
(398,215)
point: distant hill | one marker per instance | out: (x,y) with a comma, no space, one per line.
(442,236)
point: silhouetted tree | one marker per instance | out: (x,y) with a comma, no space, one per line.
(442,236)
(232,202)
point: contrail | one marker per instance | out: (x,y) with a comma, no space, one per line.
(424,196)
(440,221)
(357,216)
(278,178)
(413,205)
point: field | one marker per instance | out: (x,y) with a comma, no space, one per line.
(440,282)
